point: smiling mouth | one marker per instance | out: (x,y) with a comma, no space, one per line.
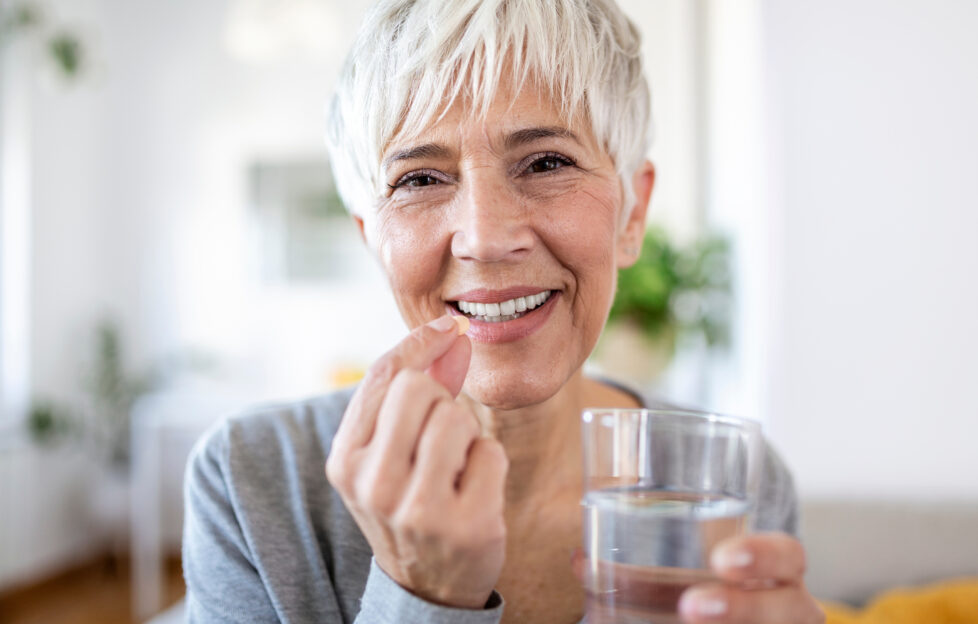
(508,310)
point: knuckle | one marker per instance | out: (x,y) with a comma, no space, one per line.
(461,418)
(471,535)
(497,529)
(444,418)
(341,470)
(409,383)
(412,518)
(439,420)
(336,471)
(403,380)
(378,501)
(384,370)
(397,386)
(416,340)
(374,493)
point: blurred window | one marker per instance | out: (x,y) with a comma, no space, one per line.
(303,232)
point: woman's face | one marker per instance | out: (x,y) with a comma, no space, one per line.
(514,221)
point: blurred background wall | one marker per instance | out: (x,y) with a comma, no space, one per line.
(832,142)
(875,325)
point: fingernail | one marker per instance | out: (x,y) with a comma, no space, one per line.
(732,558)
(463,324)
(444,323)
(702,604)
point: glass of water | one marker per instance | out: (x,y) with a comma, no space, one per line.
(662,488)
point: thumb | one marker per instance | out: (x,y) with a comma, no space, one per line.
(449,370)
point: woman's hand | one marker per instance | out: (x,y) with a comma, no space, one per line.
(422,485)
(763,583)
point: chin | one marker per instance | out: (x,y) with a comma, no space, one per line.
(512,389)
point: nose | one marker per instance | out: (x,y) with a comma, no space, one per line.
(491,223)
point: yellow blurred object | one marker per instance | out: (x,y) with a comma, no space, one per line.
(952,602)
(342,376)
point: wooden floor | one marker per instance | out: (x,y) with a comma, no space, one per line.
(94,593)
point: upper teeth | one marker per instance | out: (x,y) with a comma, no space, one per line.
(509,307)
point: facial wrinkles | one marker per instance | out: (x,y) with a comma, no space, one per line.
(476,157)
(600,235)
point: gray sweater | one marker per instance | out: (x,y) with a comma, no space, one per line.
(267,539)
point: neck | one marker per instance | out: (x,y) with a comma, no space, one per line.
(543,441)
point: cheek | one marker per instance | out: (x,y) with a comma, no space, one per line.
(586,235)
(410,252)
(590,254)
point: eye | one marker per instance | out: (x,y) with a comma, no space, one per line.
(545,163)
(416,179)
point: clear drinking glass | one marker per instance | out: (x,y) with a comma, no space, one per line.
(662,488)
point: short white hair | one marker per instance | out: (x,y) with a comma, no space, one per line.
(413,58)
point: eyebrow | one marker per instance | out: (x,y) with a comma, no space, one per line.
(512,140)
(529,135)
(428,150)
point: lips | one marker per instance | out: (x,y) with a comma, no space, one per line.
(504,315)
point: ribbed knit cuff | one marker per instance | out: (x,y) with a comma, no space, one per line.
(386,602)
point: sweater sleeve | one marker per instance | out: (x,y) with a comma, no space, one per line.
(223,584)
(778,504)
(225,572)
(386,602)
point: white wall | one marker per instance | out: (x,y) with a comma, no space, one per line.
(39,535)
(871,111)
(672,56)
(738,175)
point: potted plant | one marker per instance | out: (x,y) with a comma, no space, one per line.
(63,48)
(671,296)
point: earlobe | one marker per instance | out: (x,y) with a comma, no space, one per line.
(359,221)
(632,235)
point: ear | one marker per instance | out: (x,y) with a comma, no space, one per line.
(359,221)
(633,232)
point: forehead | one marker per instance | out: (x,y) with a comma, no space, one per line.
(510,117)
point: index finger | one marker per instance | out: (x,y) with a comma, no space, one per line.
(775,557)
(418,350)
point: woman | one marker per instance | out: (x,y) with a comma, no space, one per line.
(492,154)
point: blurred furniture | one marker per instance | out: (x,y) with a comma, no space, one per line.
(948,602)
(165,427)
(173,615)
(858,549)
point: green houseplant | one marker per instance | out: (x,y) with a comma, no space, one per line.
(671,295)
(110,391)
(101,421)
(63,48)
